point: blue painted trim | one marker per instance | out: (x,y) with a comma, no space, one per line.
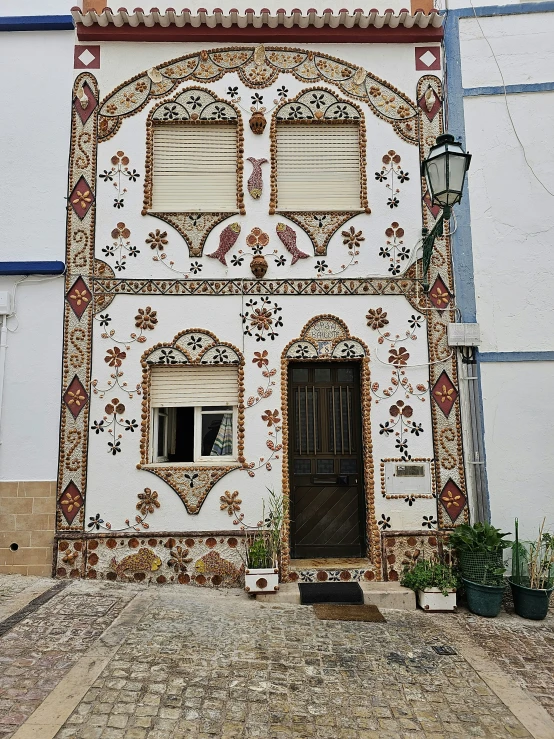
(32,268)
(516,356)
(36,23)
(490,10)
(510,89)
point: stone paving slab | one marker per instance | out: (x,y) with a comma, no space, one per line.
(37,653)
(204,664)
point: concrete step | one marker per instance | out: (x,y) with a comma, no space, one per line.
(380,594)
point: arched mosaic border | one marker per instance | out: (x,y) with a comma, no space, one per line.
(332,353)
(191,482)
(257,68)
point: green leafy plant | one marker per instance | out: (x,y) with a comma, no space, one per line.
(533,561)
(263,541)
(426,574)
(480,538)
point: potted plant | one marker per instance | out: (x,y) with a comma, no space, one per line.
(435,583)
(263,548)
(532,580)
(479,549)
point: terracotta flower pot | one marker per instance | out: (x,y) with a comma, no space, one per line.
(258,265)
(258,123)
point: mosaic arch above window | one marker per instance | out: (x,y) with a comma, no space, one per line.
(258,68)
(193,347)
(325,337)
(194,164)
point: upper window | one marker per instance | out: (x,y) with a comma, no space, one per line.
(319,159)
(194,163)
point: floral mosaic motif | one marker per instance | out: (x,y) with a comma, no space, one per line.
(317,104)
(195,104)
(191,484)
(113,420)
(119,172)
(121,247)
(261,319)
(75,397)
(399,425)
(230,502)
(444,393)
(147,504)
(394,249)
(429,522)
(81,198)
(392,174)
(79,297)
(439,295)
(71,502)
(320,227)
(179,559)
(255,182)
(257,240)
(453,500)
(193,227)
(262,361)
(377,318)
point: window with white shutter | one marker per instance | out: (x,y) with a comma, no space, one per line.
(318,166)
(194,413)
(194,167)
(318,155)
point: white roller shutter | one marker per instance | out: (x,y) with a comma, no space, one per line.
(318,167)
(194,168)
(193,386)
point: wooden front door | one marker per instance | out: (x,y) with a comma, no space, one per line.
(325,453)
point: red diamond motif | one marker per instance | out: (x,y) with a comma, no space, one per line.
(79,297)
(71,502)
(81,198)
(433,209)
(452,499)
(430,103)
(444,393)
(75,397)
(439,294)
(85,113)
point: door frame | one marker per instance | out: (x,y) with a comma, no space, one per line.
(374,555)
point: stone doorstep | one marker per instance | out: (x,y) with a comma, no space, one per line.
(381,594)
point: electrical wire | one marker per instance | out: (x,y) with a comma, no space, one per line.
(26,279)
(535,175)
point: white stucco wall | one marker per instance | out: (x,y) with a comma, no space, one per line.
(512,225)
(34,120)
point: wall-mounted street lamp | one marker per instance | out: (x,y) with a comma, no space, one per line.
(445,171)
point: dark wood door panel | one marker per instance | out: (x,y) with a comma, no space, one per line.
(327,502)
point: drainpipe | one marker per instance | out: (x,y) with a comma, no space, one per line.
(3,351)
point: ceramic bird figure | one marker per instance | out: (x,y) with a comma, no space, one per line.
(227,239)
(288,237)
(255,182)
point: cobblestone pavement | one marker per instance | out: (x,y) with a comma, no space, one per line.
(39,651)
(13,585)
(206,664)
(523,649)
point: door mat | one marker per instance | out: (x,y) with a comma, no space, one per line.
(349,593)
(332,612)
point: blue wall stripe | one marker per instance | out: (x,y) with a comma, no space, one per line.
(36,23)
(516,356)
(490,10)
(510,89)
(32,268)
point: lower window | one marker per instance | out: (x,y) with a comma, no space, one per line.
(194,434)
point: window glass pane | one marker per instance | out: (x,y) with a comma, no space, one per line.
(302,466)
(162,421)
(217,434)
(345,374)
(325,466)
(322,374)
(348,466)
(300,374)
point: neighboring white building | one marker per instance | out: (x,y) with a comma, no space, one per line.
(165,293)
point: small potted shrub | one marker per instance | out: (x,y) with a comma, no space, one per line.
(435,583)
(263,548)
(480,549)
(532,580)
